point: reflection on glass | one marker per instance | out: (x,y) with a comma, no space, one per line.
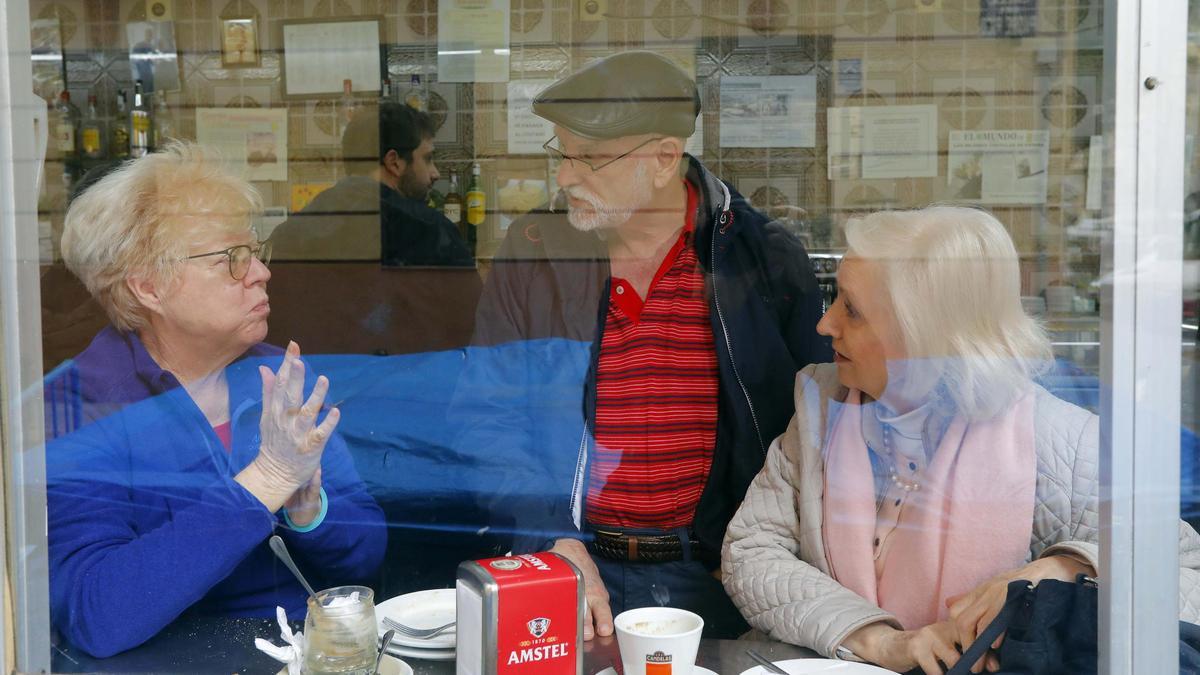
(604,359)
(1189,447)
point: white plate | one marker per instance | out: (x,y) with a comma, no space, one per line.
(390,665)
(832,666)
(418,653)
(423,609)
(695,670)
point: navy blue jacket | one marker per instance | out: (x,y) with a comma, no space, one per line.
(146,521)
(551,282)
(359,218)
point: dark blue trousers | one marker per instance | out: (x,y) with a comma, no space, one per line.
(685,584)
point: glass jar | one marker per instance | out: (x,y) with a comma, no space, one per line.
(340,631)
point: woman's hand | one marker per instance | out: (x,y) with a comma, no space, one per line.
(928,648)
(305,503)
(972,612)
(291,443)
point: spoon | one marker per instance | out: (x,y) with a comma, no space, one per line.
(387,640)
(281,552)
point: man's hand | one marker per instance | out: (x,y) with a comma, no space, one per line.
(972,612)
(597,616)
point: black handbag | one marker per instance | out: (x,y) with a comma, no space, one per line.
(1052,628)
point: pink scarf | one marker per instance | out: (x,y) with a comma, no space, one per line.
(971,519)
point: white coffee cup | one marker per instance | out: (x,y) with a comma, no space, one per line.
(658,640)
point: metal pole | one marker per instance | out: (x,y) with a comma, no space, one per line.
(1145,88)
(20,342)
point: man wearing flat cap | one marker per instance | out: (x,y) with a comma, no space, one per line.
(695,314)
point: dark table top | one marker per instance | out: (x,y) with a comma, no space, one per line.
(222,645)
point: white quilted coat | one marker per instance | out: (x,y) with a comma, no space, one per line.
(773,560)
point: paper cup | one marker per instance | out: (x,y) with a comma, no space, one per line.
(658,640)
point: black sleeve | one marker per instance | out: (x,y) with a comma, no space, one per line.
(797,296)
(499,317)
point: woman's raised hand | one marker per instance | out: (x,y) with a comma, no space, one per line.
(291,440)
(305,504)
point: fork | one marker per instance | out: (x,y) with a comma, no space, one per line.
(419,633)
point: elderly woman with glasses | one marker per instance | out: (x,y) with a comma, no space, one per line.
(181,442)
(924,469)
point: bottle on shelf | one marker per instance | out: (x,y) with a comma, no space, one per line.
(164,122)
(347,107)
(385,90)
(435,200)
(91,135)
(452,208)
(119,140)
(139,124)
(66,124)
(476,207)
(416,97)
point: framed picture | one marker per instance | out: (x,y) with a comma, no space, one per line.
(239,43)
(153,58)
(319,54)
(46,42)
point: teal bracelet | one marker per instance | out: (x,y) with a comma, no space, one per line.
(316,522)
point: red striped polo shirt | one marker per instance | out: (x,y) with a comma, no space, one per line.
(656,397)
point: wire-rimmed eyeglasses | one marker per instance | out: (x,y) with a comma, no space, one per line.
(586,160)
(239,257)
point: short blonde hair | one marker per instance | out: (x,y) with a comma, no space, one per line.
(140,219)
(954,282)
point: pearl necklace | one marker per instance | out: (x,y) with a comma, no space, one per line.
(899,482)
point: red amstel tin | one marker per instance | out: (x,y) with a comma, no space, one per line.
(520,615)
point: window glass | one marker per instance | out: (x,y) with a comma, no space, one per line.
(410,284)
(1191,255)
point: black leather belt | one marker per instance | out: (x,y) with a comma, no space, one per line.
(639,547)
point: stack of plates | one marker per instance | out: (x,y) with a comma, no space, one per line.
(423,609)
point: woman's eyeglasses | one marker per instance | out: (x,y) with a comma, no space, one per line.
(587,160)
(239,257)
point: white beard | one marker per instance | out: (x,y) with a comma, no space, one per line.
(606,216)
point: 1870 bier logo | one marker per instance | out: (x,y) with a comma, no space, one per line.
(538,627)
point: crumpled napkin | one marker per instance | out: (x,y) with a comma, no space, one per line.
(343,601)
(293,653)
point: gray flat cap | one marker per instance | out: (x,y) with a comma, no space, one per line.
(624,94)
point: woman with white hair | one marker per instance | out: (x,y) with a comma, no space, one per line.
(924,469)
(181,441)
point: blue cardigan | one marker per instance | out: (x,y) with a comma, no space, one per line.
(146,521)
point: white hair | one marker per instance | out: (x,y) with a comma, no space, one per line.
(953,278)
(140,218)
(608,215)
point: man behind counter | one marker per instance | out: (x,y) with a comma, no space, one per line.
(378,211)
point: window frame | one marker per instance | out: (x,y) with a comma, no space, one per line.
(21,425)
(1140,347)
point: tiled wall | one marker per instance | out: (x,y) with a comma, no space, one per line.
(912,51)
